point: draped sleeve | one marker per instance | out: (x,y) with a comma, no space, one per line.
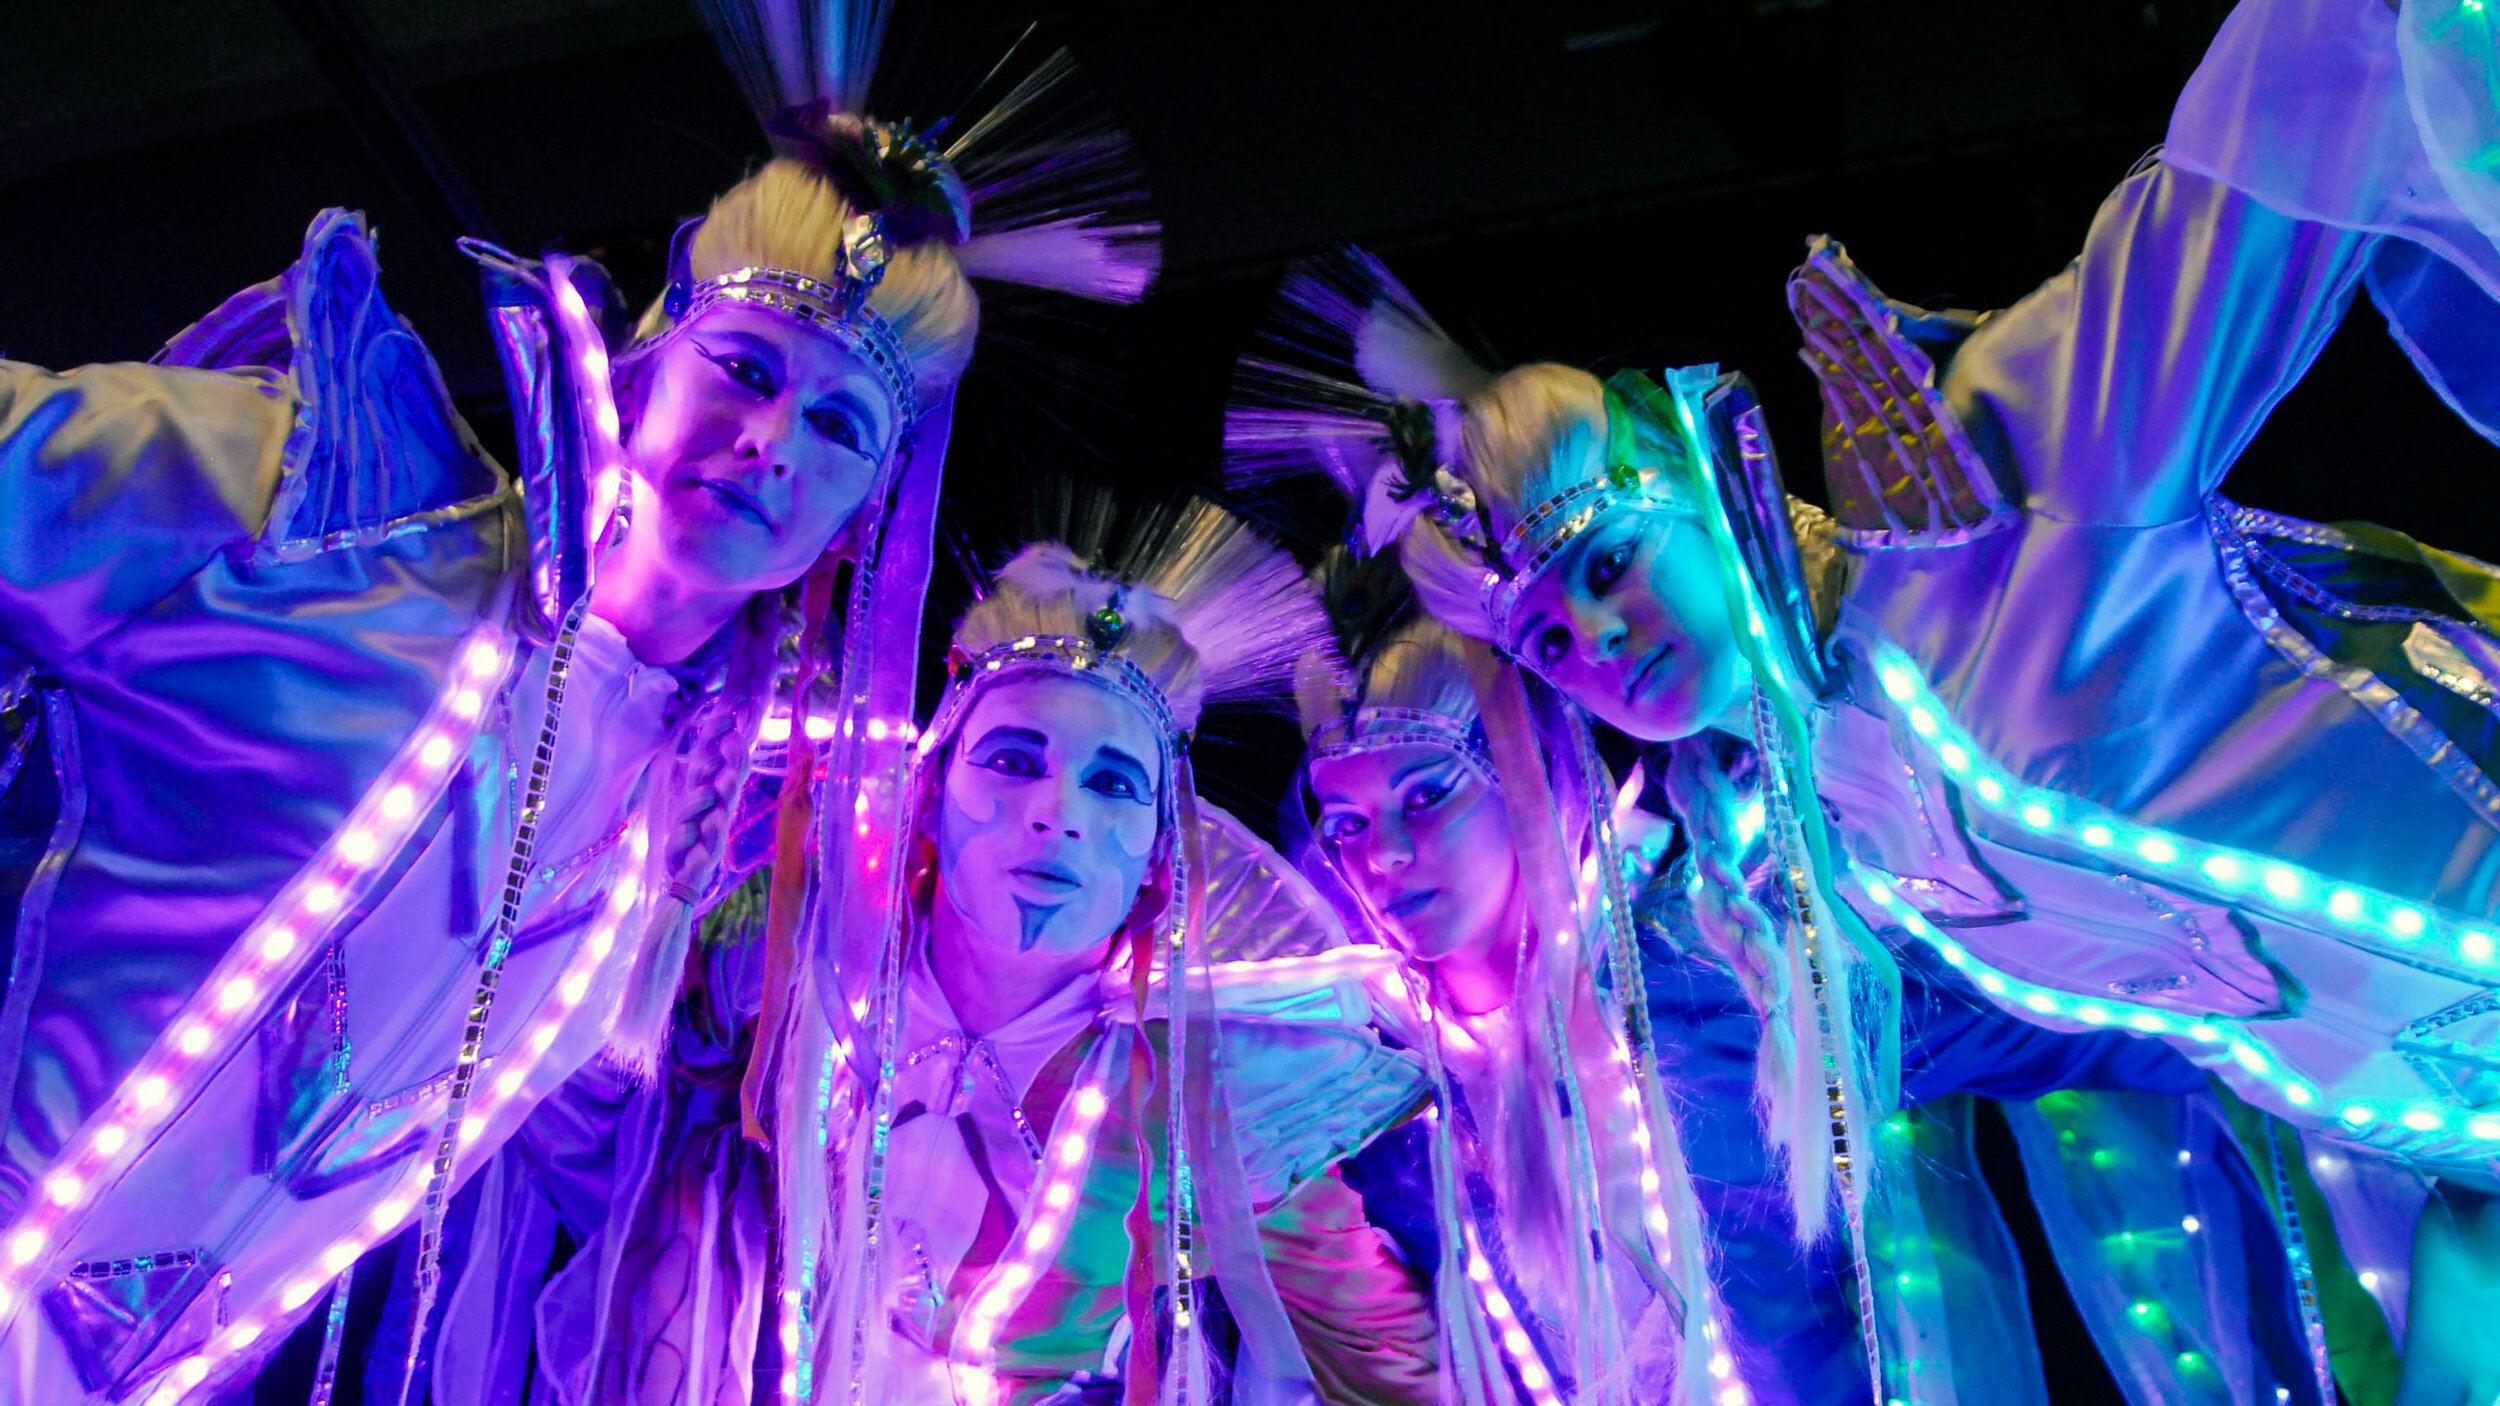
(2122,390)
(117,482)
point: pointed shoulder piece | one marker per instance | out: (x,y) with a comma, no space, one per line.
(376,442)
(1901,469)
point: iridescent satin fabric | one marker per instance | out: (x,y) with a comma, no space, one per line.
(2132,637)
(234,593)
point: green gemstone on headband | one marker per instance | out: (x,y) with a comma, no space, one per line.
(1107,627)
(1624,477)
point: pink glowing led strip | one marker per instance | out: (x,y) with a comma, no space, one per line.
(1729,1392)
(513,1069)
(1053,1211)
(265,960)
(604,436)
(1516,1345)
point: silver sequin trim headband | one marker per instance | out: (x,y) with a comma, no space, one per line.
(1372,729)
(1073,655)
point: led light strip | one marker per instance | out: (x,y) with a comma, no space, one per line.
(1047,1227)
(1654,1216)
(513,1069)
(1516,1344)
(2419,934)
(265,960)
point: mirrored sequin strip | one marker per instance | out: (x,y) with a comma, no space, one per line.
(429,1271)
(499,1106)
(1788,848)
(2296,1254)
(266,960)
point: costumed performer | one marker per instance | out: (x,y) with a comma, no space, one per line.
(1040,1171)
(1407,805)
(2115,750)
(342,770)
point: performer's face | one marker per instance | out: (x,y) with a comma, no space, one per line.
(1631,623)
(757,440)
(1425,842)
(1047,816)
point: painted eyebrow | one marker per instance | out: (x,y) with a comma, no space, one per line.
(1535,626)
(747,341)
(1399,778)
(1116,756)
(1009,732)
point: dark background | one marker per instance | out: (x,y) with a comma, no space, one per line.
(1612,182)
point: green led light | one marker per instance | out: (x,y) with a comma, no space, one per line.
(2101,1158)
(2365,914)
(2189,1361)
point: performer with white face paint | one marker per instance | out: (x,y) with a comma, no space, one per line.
(999,1073)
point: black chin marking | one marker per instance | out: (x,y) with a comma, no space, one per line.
(1036,916)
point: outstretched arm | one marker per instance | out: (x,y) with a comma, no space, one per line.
(2122,390)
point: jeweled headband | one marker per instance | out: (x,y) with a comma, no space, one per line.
(836,306)
(1545,530)
(1374,729)
(1088,656)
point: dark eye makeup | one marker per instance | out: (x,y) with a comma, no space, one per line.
(1608,566)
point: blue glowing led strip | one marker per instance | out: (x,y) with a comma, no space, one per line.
(2419,935)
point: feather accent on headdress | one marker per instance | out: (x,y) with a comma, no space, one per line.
(1059,200)
(1355,381)
(1237,602)
(787,53)
(1040,189)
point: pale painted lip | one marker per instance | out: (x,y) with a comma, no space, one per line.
(1640,677)
(1054,876)
(740,499)
(1407,905)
